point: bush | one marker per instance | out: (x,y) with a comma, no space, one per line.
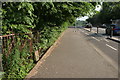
(18,63)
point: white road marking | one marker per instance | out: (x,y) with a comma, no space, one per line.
(106,40)
(111,47)
(82,31)
(95,38)
(110,60)
(86,33)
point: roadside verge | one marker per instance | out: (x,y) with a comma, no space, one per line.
(34,70)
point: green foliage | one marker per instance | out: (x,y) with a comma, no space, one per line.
(111,10)
(18,17)
(55,14)
(80,23)
(44,20)
(17,64)
(49,35)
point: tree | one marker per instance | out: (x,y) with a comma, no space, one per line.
(17,17)
(110,10)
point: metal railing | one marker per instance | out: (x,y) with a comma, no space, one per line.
(9,41)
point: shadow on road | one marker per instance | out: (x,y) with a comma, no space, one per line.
(99,35)
(94,35)
(113,40)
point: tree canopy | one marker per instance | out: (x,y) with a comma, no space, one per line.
(110,10)
(21,17)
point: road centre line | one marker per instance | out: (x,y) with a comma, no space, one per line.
(95,38)
(111,47)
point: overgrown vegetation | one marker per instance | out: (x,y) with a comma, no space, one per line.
(44,22)
(18,63)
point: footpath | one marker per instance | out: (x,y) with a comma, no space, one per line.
(74,57)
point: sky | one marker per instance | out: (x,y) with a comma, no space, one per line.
(98,8)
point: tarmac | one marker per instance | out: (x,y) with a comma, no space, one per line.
(116,38)
(74,57)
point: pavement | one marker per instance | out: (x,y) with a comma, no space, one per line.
(77,57)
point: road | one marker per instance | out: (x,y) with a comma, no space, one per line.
(101,41)
(102,32)
(80,54)
(109,46)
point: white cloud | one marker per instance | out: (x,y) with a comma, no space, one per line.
(98,8)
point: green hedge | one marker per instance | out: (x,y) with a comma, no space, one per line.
(44,21)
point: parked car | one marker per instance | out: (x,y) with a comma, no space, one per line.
(115,27)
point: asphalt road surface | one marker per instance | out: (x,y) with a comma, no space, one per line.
(81,54)
(107,46)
